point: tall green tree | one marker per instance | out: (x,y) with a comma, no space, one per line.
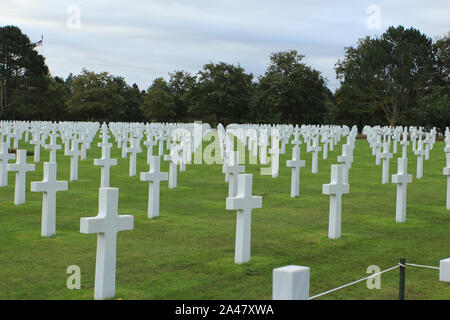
(129,108)
(221,93)
(180,86)
(290,91)
(158,104)
(24,76)
(56,97)
(433,110)
(388,73)
(95,97)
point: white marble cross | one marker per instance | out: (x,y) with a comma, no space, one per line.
(21,168)
(419,152)
(296,142)
(405,144)
(378,144)
(233,169)
(336,188)
(243,202)
(346,158)
(172,170)
(37,145)
(315,148)
(134,149)
(275,155)
(49,186)
(4,157)
(149,143)
(125,140)
(296,163)
(325,146)
(53,146)
(106,224)
(395,139)
(105,162)
(446,172)
(262,143)
(160,138)
(386,156)
(427,142)
(74,153)
(402,178)
(15,136)
(154,176)
(413,137)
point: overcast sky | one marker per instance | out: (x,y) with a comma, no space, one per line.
(141,40)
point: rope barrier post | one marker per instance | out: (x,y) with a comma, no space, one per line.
(401,288)
(290,283)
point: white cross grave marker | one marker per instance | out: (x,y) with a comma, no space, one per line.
(172,170)
(296,163)
(74,153)
(4,157)
(402,178)
(336,188)
(134,149)
(105,162)
(386,156)
(446,172)
(106,224)
(154,176)
(49,186)
(420,152)
(315,154)
(53,146)
(233,169)
(37,146)
(21,168)
(244,202)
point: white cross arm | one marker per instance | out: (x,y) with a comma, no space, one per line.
(104,162)
(154,176)
(45,186)
(238,203)
(234,169)
(99,224)
(295,163)
(20,167)
(335,188)
(386,155)
(401,178)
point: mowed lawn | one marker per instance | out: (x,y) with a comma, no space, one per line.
(188,252)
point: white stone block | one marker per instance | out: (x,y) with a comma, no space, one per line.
(291,283)
(444,270)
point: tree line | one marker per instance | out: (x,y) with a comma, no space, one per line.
(398,78)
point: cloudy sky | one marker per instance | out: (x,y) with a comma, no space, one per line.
(141,40)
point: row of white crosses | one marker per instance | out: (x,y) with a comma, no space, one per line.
(402,178)
(446,170)
(380,142)
(107,223)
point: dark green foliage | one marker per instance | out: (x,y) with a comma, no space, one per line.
(24,77)
(221,94)
(398,78)
(290,92)
(389,73)
(158,105)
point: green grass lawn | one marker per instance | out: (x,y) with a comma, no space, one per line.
(188,252)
